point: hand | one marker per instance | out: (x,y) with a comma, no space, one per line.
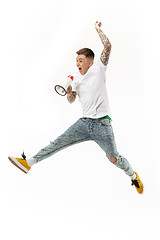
(69,91)
(98,25)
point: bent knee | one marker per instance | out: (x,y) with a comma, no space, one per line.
(113,159)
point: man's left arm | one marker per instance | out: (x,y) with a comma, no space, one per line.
(107,45)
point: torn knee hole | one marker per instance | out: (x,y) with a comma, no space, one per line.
(113,159)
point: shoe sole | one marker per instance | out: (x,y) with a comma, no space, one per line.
(142,191)
(17,164)
(142,184)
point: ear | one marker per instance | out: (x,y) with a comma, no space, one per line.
(91,63)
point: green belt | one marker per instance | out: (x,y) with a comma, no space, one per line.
(105,117)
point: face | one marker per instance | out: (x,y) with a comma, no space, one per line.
(83,63)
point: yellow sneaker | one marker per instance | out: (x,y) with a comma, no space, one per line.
(20,163)
(138,184)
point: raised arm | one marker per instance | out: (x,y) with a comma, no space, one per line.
(107,45)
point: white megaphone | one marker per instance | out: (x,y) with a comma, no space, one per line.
(62,87)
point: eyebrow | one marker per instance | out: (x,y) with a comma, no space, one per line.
(80,59)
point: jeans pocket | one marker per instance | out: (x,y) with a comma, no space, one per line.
(105,122)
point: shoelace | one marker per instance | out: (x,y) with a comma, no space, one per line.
(136,183)
(23,156)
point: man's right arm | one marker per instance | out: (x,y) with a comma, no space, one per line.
(71,95)
(107,45)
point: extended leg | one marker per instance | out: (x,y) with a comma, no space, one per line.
(104,137)
(75,134)
(78,132)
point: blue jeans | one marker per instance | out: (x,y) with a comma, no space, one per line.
(98,130)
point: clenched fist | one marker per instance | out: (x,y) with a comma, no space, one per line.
(69,91)
(98,25)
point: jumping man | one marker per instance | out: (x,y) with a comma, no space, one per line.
(89,85)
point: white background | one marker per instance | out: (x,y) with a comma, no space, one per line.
(77,193)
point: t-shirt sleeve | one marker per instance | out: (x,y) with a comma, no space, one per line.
(102,66)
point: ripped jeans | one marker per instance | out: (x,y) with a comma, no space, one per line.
(98,130)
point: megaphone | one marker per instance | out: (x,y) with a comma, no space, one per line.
(62,87)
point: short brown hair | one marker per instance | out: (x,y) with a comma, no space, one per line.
(87,52)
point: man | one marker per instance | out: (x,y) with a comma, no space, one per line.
(89,85)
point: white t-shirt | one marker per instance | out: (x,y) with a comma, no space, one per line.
(91,89)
